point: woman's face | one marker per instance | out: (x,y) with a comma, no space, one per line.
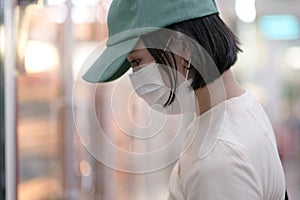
(140,57)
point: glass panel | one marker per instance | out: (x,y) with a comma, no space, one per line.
(54,38)
(39,107)
(53,41)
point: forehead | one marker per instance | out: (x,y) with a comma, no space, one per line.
(139,45)
(139,49)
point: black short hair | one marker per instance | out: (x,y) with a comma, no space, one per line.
(221,44)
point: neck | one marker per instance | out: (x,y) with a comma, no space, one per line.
(221,89)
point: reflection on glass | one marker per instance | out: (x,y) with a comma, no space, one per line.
(40,57)
(293,57)
(83,15)
(280,27)
(245,10)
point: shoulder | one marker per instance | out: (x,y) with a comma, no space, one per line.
(226,169)
(224,159)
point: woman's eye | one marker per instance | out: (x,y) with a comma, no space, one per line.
(135,63)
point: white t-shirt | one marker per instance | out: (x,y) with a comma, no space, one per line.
(230,153)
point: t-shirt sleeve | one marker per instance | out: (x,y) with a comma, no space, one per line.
(226,174)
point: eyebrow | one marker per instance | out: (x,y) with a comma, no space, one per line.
(132,52)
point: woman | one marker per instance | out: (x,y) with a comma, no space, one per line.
(230,150)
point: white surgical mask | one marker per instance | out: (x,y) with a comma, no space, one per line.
(149,85)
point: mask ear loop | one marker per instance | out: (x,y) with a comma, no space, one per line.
(167,71)
(162,54)
(188,69)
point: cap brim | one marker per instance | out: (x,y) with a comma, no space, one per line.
(112,63)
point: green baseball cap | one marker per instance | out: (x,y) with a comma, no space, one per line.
(129,19)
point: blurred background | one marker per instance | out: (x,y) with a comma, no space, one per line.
(43,46)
